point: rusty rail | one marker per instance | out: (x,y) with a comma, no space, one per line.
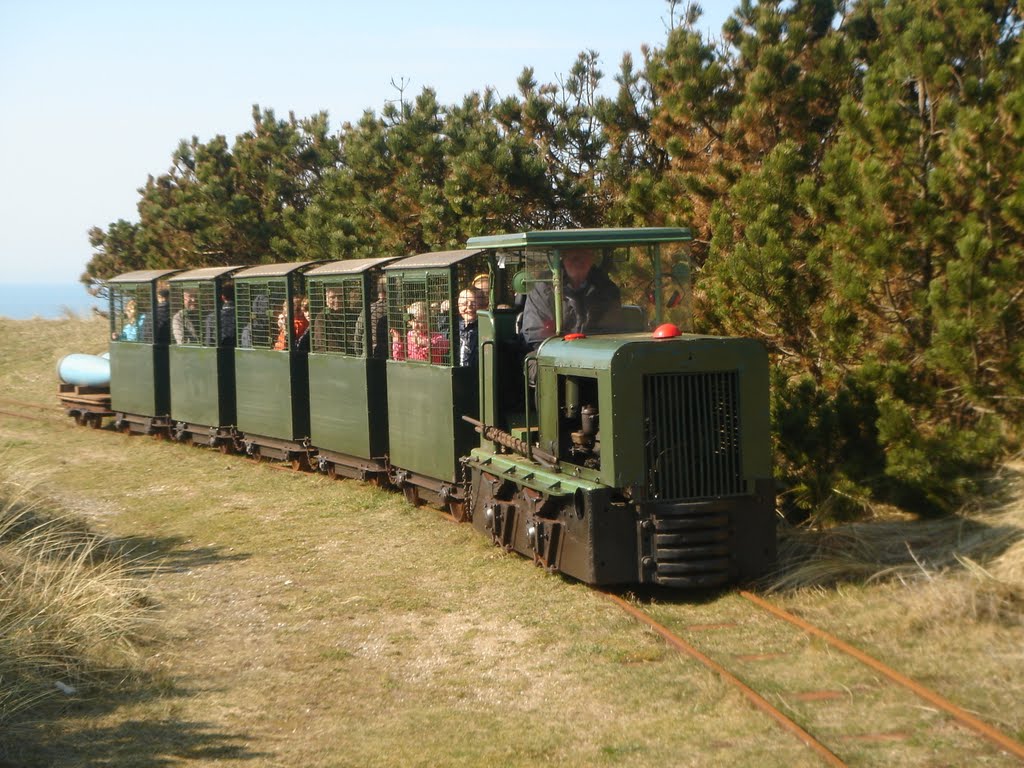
(962,716)
(751,695)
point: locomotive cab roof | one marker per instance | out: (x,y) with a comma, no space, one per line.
(583,238)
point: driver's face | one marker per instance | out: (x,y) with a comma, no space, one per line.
(334,300)
(577,264)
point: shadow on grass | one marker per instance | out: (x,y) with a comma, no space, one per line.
(148,556)
(90,731)
(127,744)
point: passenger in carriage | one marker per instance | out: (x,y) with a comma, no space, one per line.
(226,335)
(130,330)
(329,325)
(300,325)
(419,343)
(378,330)
(257,332)
(162,315)
(471,301)
(183,324)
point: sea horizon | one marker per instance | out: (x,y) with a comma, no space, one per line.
(46,300)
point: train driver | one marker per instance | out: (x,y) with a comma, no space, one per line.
(590,300)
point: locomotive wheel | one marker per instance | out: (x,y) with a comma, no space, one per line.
(94,421)
(225,447)
(301,463)
(458,510)
(79,418)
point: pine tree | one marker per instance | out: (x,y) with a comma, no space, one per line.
(921,264)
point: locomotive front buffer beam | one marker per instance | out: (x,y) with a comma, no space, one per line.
(574,529)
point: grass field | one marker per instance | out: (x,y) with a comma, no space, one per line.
(291,620)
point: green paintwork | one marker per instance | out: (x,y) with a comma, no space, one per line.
(425,407)
(272,393)
(203,385)
(501,385)
(524,472)
(619,362)
(139,379)
(348,405)
(583,238)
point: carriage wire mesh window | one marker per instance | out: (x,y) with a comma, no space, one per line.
(194,313)
(336,308)
(131,313)
(440,316)
(417,322)
(259,308)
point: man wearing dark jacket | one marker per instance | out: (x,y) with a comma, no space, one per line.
(590,301)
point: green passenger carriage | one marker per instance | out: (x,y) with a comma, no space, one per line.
(271,373)
(140,390)
(428,391)
(349,343)
(202,356)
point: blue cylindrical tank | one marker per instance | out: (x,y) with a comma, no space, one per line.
(84,370)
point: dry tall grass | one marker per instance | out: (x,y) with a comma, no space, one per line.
(70,607)
(981,551)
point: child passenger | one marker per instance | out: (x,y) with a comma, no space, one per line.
(419,343)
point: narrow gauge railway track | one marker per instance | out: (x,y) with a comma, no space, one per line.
(828,756)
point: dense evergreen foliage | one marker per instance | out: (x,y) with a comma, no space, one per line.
(853,171)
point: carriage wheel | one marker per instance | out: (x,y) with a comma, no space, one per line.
(332,470)
(225,447)
(301,463)
(94,421)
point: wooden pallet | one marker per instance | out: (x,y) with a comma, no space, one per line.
(93,399)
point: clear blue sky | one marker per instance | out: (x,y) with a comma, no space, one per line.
(96,95)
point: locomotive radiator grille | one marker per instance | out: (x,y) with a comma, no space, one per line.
(692,436)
